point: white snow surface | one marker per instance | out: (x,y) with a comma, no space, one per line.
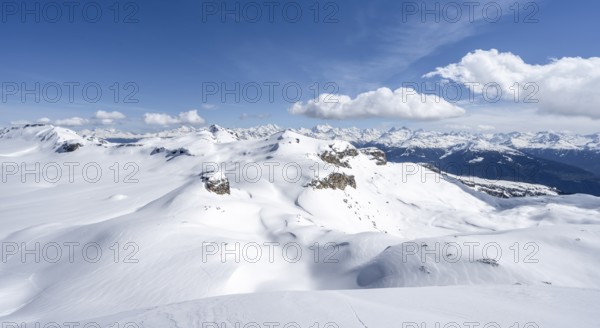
(398,137)
(403,246)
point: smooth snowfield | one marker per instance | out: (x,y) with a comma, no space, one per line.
(168,244)
(455,306)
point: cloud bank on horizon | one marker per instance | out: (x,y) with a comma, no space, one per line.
(100,117)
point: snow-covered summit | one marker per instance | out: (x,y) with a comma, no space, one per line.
(41,136)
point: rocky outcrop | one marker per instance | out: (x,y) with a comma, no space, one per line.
(171,153)
(375,154)
(68,147)
(498,188)
(223,134)
(335,181)
(510,191)
(488,261)
(216,183)
(338,157)
(33,125)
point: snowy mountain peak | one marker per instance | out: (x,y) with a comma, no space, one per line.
(215,128)
(43,136)
(322,128)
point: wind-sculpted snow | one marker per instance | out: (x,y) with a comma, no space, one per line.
(555,255)
(147,240)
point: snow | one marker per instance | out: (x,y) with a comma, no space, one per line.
(174,253)
(425,307)
(396,137)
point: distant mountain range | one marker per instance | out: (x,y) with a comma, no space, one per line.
(568,162)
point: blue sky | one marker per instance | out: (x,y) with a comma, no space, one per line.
(164,57)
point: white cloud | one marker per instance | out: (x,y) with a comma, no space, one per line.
(107,121)
(398,37)
(160,119)
(209,106)
(566,86)
(73,121)
(103,115)
(403,103)
(100,117)
(20,122)
(190,117)
(485,127)
(260,116)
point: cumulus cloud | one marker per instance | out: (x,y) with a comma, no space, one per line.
(103,115)
(73,121)
(160,119)
(402,103)
(566,86)
(190,117)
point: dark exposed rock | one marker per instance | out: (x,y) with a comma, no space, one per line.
(500,191)
(216,183)
(491,262)
(33,125)
(129,145)
(338,157)
(157,151)
(375,154)
(271,148)
(497,188)
(335,181)
(216,129)
(220,187)
(68,147)
(171,153)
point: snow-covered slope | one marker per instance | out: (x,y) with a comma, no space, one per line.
(179,217)
(456,306)
(38,137)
